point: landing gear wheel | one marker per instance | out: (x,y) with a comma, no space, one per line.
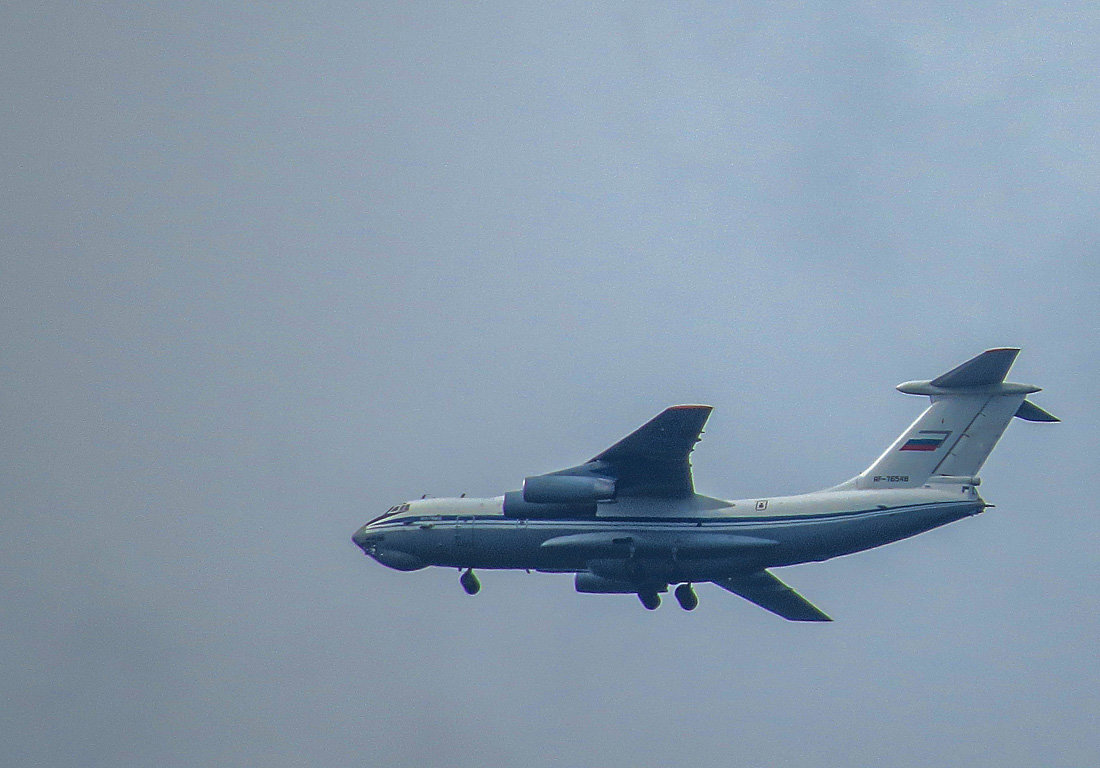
(469,582)
(686,596)
(650,600)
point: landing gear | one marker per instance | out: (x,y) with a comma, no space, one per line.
(650,600)
(686,596)
(469,582)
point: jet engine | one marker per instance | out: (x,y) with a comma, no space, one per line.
(516,507)
(567,489)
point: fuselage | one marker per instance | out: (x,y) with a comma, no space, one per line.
(667,541)
(629,519)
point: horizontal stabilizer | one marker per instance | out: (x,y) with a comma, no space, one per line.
(990,367)
(771,594)
(1029,411)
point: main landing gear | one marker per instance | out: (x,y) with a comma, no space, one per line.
(686,596)
(469,582)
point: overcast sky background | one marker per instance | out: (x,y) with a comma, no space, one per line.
(269,269)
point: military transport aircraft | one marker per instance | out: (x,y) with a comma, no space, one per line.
(628,520)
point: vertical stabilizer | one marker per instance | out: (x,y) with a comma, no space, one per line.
(971,407)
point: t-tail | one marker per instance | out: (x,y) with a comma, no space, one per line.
(972,406)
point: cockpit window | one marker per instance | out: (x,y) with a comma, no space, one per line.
(394,510)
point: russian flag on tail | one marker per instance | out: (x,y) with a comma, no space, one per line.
(925,440)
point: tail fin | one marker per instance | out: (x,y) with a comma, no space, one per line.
(971,407)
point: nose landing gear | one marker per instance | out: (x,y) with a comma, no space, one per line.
(469,582)
(686,596)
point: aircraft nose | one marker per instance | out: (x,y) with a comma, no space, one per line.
(360,537)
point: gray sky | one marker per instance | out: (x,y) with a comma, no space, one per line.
(269,269)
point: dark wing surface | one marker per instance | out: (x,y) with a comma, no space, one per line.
(771,594)
(653,459)
(990,367)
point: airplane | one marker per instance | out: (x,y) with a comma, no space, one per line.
(628,520)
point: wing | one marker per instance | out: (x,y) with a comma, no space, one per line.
(653,459)
(771,594)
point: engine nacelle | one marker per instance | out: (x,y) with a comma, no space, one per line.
(516,507)
(590,583)
(567,489)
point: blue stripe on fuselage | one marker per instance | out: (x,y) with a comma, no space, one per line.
(634,522)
